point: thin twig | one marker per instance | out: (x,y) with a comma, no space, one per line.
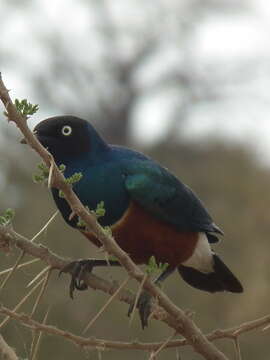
(124,283)
(107,344)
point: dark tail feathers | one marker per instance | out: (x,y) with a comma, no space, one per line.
(222,279)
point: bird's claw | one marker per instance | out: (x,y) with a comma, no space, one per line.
(77,269)
(144,306)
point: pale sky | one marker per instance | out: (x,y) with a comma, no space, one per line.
(229,41)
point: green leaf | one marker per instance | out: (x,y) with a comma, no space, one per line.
(62,167)
(44,171)
(37,178)
(98,213)
(81,223)
(163,267)
(153,266)
(7,217)
(100,210)
(107,230)
(25,108)
(73,179)
(43,174)
(61,194)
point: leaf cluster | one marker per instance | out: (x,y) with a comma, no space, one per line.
(153,266)
(43,174)
(98,213)
(73,179)
(7,217)
(25,108)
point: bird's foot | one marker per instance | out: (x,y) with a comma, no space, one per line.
(77,269)
(144,306)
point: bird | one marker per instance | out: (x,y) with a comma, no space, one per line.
(150,212)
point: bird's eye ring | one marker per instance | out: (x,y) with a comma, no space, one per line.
(66,130)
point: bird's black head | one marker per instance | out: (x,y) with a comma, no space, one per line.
(68,137)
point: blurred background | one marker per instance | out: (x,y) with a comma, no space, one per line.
(185,81)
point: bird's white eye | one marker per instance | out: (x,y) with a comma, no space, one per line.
(66,130)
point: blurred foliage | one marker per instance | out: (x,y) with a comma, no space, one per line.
(105,79)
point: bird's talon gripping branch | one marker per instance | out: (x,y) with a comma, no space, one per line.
(144,306)
(77,269)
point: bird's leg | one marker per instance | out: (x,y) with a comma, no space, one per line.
(78,268)
(145,299)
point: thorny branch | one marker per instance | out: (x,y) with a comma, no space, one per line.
(173,316)
(232,333)
(9,238)
(183,324)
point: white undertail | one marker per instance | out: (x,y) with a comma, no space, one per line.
(202,257)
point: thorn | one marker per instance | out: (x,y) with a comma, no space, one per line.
(45,226)
(19,266)
(21,302)
(35,349)
(72,215)
(190,314)
(42,291)
(50,175)
(42,272)
(124,283)
(14,268)
(155,353)
(266,327)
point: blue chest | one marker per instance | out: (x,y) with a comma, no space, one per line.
(103,182)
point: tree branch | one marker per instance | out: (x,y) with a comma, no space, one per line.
(180,322)
(232,333)
(8,237)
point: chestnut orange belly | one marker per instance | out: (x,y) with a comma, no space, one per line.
(141,235)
